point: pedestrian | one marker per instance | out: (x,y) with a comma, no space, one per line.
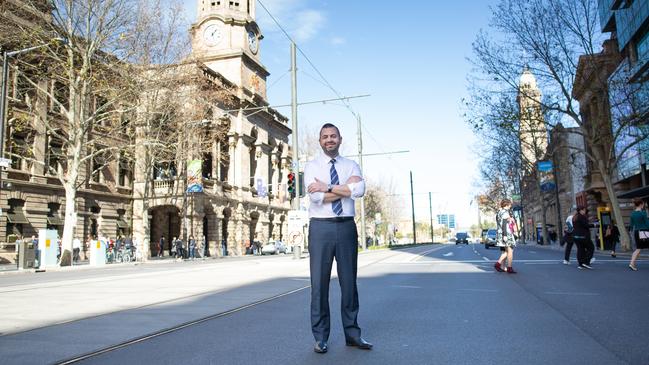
(581,234)
(568,237)
(205,247)
(192,247)
(161,246)
(334,183)
(612,237)
(506,237)
(76,250)
(640,227)
(172,248)
(37,251)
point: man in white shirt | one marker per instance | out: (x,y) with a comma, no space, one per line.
(334,182)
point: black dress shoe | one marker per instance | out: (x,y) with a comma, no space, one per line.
(320,347)
(360,343)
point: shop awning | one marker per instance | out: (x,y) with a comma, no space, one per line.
(54,221)
(121,223)
(17,218)
(642,192)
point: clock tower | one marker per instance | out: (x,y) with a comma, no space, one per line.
(226,38)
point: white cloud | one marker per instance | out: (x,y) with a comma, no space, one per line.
(301,22)
(338,41)
(309,22)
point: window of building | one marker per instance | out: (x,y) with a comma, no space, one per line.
(253,165)
(125,173)
(234,4)
(15,220)
(164,170)
(18,150)
(54,220)
(642,48)
(22,83)
(55,157)
(224,160)
(207,166)
(122,224)
(98,165)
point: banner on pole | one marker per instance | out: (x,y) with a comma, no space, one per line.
(546,176)
(195,176)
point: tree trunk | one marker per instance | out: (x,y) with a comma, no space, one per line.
(625,239)
(70,225)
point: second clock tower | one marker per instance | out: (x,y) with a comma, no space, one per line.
(226,38)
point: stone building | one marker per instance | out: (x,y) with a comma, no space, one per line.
(231,212)
(244,166)
(31,196)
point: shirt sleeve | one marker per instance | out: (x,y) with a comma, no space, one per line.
(357,189)
(318,197)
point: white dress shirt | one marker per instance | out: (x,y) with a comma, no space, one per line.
(320,168)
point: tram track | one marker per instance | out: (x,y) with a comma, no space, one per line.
(150,336)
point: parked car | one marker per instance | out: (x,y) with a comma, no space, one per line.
(461,237)
(490,238)
(273,248)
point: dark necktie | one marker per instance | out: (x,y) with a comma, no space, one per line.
(336,205)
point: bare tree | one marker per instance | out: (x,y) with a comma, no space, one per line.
(549,37)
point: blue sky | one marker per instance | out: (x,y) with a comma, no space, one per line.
(411,57)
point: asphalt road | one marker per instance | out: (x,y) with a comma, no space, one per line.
(439,304)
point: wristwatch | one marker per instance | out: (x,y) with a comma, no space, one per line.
(329,187)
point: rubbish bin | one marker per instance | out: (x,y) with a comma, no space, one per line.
(26,255)
(297,252)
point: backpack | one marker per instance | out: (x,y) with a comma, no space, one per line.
(569,227)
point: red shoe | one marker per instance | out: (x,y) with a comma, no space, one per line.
(510,270)
(498,267)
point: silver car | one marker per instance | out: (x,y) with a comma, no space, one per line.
(273,248)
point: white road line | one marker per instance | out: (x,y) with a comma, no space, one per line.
(480,290)
(568,293)
(407,286)
(448,254)
(486,259)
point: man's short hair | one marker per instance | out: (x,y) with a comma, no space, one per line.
(329,125)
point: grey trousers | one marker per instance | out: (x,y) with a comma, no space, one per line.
(329,239)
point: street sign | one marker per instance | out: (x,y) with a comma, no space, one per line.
(4,162)
(297,221)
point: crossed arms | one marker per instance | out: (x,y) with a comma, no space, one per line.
(353,188)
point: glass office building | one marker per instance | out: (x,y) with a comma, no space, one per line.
(628,23)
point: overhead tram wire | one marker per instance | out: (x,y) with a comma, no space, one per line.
(324,79)
(321,101)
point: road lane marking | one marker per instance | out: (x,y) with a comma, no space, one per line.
(569,293)
(481,290)
(448,254)
(407,286)
(486,259)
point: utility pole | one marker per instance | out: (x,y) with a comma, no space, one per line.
(414,224)
(430,206)
(296,160)
(360,160)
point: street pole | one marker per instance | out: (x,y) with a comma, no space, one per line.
(296,161)
(3,105)
(430,207)
(414,224)
(360,160)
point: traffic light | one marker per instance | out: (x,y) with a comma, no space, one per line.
(291,185)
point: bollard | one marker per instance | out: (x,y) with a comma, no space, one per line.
(297,252)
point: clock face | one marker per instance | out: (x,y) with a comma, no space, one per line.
(212,35)
(253,42)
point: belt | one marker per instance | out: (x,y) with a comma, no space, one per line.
(333,219)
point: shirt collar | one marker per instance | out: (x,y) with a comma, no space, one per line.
(325,159)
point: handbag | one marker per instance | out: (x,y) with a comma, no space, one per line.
(643,235)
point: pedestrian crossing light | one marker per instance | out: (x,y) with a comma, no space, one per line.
(291,185)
